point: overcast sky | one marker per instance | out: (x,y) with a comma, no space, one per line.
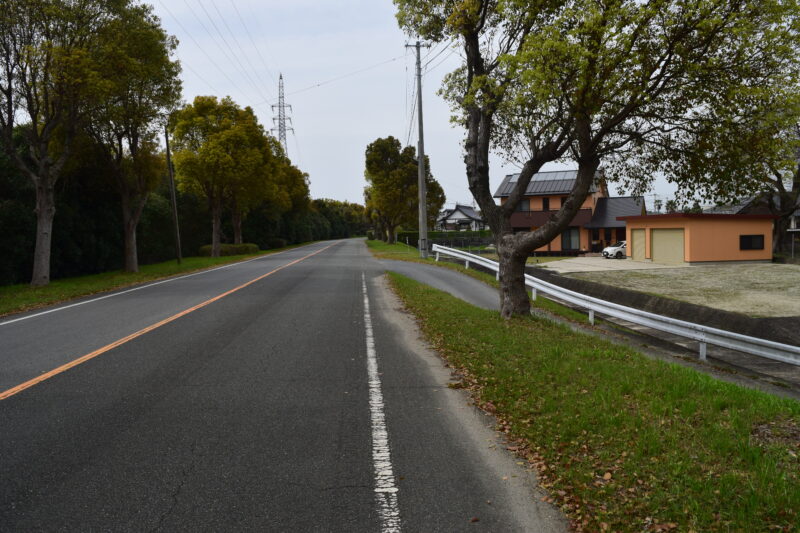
(347,74)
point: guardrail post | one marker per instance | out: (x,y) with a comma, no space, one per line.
(497,275)
(466,264)
(437,257)
(533,294)
(591,316)
(703,349)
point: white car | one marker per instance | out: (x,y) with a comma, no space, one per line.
(615,250)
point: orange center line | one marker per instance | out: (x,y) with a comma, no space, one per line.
(100,351)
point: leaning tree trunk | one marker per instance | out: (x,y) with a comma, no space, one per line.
(216,227)
(45,212)
(513,294)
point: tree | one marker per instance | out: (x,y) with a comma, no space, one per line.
(262,181)
(220,153)
(392,192)
(48,74)
(142,87)
(590,82)
(757,155)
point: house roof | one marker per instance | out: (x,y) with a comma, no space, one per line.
(466,210)
(608,210)
(730,209)
(700,215)
(545,183)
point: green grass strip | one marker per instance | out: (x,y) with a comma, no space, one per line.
(622,442)
(17,298)
(401,252)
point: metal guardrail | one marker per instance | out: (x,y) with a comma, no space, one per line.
(705,335)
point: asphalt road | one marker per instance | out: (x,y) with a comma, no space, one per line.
(303,401)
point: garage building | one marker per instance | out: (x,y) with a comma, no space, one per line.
(677,238)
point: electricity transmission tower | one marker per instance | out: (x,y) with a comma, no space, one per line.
(281,120)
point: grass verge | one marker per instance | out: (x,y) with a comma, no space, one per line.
(620,441)
(401,252)
(17,298)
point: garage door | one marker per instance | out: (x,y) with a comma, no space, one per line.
(638,245)
(668,246)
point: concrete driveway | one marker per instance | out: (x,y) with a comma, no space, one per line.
(600,264)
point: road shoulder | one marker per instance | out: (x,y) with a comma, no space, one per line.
(515,487)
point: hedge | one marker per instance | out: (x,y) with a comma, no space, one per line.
(414,236)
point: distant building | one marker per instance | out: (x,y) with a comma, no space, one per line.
(758,205)
(678,238)
(594,227)
(460,218)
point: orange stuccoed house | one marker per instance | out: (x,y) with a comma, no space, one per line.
(594,227)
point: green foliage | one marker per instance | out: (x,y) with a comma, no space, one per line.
(621,442)
(230,249)
(346,219)
(223,154)
(641,87)
(392,193)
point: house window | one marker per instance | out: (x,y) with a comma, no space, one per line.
(524,205)
(571,239)
(545,204)
(751,242)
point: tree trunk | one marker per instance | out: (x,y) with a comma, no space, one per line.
(131,214)
(131,252)
(45,212)
(216,227)
(236,222)
(513,293)
(781,226)
(391,234)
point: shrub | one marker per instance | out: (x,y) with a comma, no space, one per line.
(231,249)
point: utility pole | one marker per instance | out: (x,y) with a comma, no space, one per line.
(178,253)
(282,119)
(421,185)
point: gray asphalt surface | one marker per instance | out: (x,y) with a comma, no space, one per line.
(250,414)
(464,287)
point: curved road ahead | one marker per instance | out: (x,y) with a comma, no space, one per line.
(286,393)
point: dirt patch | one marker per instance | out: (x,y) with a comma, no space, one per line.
(758,290)
(781,433)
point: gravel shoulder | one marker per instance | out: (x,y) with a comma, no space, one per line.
(758,290)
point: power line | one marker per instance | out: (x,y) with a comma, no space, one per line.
(239,46)
(260,30)
(431,60)
(411,119)
(252,41)
(235,57)
(343,76)
(178,22)
(428,70)
(197,75)
(297,148)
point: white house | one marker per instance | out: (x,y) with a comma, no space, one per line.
(461,218)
